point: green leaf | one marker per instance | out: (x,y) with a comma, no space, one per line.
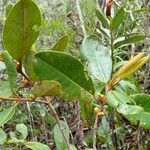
(11,69)
(28,65)
(118,18)
(145,120)
(112,99)
(8,8)
(104,21)
(6,115)
(129,109)
(61,44)
(126,41)
(59,140)
(21,28)
(13,138)
(46,88)
(134,118)
(142,9)
(3,137)
(117,97)
(142,100)
(122,95)
(36,146)
(12,135)
(5,90)
(66,70)
(98,58)
(22,128)
(129,87)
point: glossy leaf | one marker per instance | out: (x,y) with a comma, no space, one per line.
(118,19)
(21,28)
(6,115)
(11,69)
(22,128)
(3,137)
(59,140)
(61,44)
(66,70)
(46,88)
(104,21)
(129,40)
(98,58)
(5,90)
(36,146)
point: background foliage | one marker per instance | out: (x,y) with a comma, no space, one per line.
(36,123)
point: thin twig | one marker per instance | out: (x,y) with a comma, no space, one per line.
(80,133)
(58,122)
(112,52)
(94,132)
(31,120)
(71,135)
(19,70)
(23,100)
(26,77)
(45,130)
(113,126)
(112,121)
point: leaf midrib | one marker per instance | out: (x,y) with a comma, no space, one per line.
(62,74)
(99,65)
